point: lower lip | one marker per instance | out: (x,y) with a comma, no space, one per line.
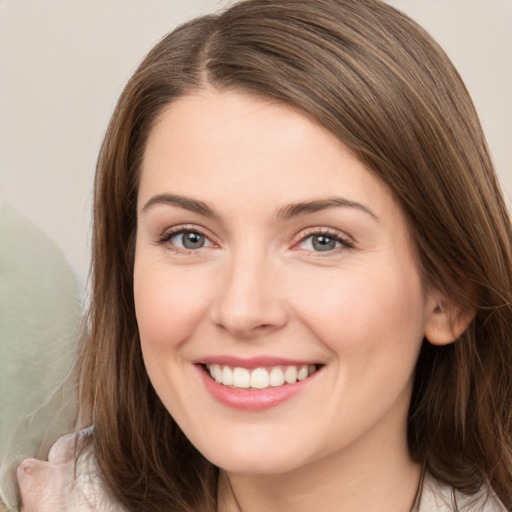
(253,399)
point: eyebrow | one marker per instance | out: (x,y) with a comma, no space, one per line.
(285,213)
(187,203)
(307,207)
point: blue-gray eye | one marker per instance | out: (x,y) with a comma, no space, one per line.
(321,243)
(189,240)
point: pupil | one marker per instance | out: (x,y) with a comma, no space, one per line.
(323,243)
(193,240)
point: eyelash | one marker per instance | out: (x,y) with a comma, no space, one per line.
(166,237)
(345,242)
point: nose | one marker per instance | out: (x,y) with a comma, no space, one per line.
(250,302)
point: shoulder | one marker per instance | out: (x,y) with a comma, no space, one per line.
(63,484)
(444,498)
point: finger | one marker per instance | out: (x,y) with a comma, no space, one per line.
(28,468)
(32,477)
(63,450)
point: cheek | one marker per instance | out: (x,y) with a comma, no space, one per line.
(378,309)
(372,322)
(168,304)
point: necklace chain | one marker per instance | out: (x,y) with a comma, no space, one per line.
(238,507)
(415,506)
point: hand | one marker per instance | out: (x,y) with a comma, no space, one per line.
(52,486)
(47,486)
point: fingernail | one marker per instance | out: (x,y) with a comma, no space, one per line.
(28,465)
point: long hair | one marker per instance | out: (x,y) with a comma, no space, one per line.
(379,83)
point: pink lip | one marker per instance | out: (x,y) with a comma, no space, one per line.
(251,399)
(252,362)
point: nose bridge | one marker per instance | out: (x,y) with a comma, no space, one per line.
(249,302)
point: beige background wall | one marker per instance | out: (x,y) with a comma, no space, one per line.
(64,62)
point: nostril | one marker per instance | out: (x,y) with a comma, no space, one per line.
(246,307)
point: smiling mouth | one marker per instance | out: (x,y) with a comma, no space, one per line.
(259,378)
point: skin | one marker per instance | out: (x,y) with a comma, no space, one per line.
(258,287)
(50,486)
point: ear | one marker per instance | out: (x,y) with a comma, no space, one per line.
(445,321)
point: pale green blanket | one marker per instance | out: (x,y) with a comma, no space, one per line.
(39,312)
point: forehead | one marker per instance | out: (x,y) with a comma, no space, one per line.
(231,145)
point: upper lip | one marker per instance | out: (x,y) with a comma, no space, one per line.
(253,362)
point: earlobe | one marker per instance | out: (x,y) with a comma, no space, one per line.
(446,322)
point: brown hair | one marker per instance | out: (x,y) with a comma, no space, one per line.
(379,83)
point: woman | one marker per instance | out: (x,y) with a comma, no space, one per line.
(301,278)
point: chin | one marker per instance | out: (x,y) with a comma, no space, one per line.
(256,457)
(261,465)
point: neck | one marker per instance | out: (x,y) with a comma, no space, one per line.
(338,491)
(375,477)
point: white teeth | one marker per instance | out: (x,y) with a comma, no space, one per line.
(241,378)
(259,378)
(290,374)
(276,376)
(303,372)
(227,376)
(216,372)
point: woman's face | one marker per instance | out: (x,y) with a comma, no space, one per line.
(268,256)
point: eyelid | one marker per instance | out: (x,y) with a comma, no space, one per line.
(346,241)
(167,234)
